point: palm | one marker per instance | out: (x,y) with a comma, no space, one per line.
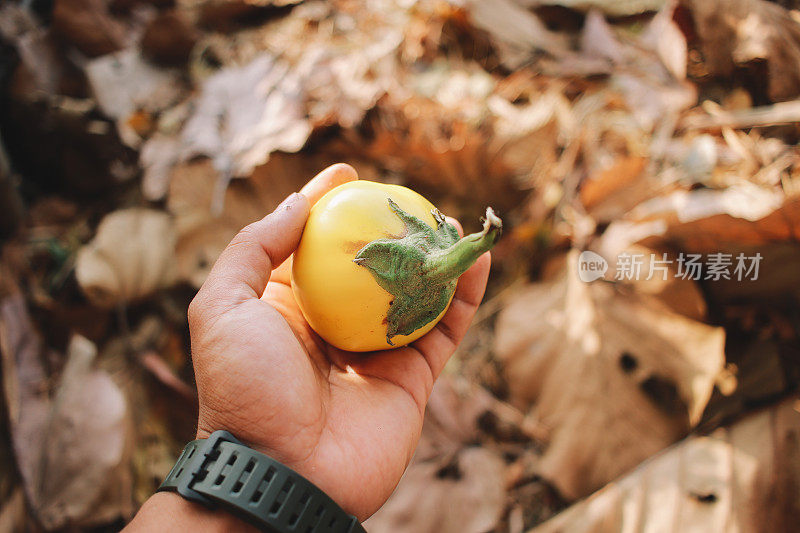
(348,421)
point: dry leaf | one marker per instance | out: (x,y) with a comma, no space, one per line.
(88,25)
(616,377)
(517,32)
(707,220)
(84,474)
(157,157)
(617,8)
(750,31)
(246,113)
(72,448)
(648,70)
(466,496)
(741,478)
(342,85)
(131,256)
(449,487)
(209,211)
(168,39)
(13,514)
(124,83)
(611,192)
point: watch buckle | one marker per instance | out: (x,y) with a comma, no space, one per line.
(206,448)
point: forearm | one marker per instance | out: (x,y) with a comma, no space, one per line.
(167,511)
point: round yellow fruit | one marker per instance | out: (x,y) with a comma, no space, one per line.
(377,265)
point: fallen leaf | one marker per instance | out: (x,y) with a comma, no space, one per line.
(616,8)
(228,15)
(449,487)
(71,448)
(38,51)
(131,256)
(246,113)
(739,478)
(169,39)
(466,496)
(615,376)
(707,220)
(612,191)
(209,211)
(124,83)
(738,33)
(517,32)
(157,157)
(13,515)
(88,25)
(84,472)
(649,70)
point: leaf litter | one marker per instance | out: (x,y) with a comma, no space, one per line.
(638,127)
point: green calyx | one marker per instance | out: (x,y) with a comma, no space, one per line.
(421,268)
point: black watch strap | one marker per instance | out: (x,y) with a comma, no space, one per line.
(222,472)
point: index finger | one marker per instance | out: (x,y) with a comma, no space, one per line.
(316,188)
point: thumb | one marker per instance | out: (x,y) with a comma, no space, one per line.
(243,268)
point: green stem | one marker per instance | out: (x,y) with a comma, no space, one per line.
(421,269)
(451,262)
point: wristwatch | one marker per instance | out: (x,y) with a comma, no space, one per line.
(222,472)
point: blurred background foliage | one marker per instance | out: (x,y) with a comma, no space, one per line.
(138,136)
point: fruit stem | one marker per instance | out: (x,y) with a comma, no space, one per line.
(451,262)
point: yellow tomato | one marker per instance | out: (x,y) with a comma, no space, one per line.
(340,299)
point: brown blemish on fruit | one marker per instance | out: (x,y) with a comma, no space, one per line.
(352,247)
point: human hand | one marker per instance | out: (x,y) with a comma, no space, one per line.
(349,422)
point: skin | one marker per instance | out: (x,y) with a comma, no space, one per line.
(349,422)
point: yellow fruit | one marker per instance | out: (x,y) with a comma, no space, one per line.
(377,265)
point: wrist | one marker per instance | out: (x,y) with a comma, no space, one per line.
(221,471)
(167,511)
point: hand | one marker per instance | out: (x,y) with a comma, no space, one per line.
(349,422)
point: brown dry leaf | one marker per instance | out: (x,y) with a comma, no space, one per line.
(449,487)
(738,33)
(13,514)
(246,113)
(463,497)
(85,474)
(38,51)
(741,478)
(131,256)
(517,33)
(611,192)
(648,70)
(72,448)
(616,8)
(227,15)
(88,25)
(741,219)
(169,39)
(157,157)
(209,211)
(707,220)
(124,84)
(616,377)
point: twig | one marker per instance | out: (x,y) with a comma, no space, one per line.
(771,115)
(156,365)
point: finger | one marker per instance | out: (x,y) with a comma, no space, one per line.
(243,268)
(331,177)
(439,344)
